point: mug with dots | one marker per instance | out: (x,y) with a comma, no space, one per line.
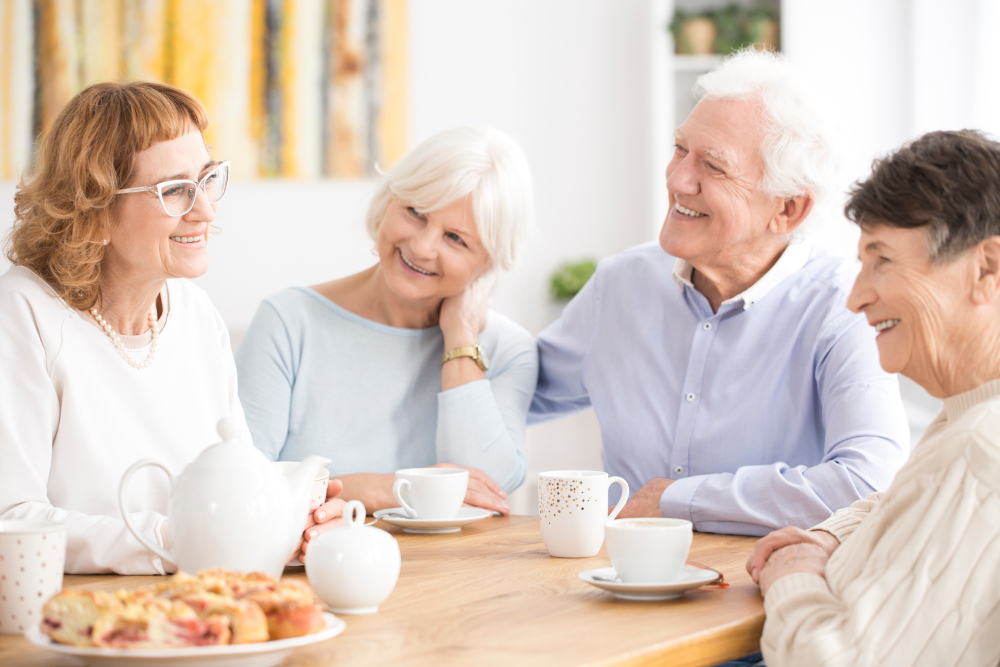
(32,554)
(573,508)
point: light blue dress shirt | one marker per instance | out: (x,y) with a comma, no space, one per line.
(315,378)
(772,412)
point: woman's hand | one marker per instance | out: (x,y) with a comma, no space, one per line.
(322,518)
(786,537)
(464,315)
(788,560)
(483,491)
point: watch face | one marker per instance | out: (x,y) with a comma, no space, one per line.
(484,357)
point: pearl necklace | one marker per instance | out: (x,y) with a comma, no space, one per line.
(117,340)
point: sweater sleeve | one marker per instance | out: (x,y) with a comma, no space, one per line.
(266,375)
(843,522)
(482,424)
(29,417)
(916,587)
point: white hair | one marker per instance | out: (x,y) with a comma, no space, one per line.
(479,161)
(798,146)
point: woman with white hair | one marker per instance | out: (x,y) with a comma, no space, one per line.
(403,365)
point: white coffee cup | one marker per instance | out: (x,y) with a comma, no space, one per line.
(431,493)
(648,550)
(573,508)
(319,484)
(32,555)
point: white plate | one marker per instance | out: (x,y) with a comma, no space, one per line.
(263,654)
(691,578)
(466,515)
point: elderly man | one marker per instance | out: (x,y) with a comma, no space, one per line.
(732,385)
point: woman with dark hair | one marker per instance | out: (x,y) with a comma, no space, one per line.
(909,576)
(109,353)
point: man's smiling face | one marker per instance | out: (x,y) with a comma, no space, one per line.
(716,212)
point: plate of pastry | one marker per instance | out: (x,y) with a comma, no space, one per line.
(215,619)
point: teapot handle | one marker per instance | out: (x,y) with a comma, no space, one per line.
(155,548)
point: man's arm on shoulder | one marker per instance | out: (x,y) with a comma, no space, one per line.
(562,350)
(867,441)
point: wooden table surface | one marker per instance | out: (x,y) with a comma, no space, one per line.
(491,595)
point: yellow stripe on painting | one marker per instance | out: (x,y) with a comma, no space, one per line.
(60,65)
(100,41)
(392,119)
(6,67)
(144,39)
(289,103)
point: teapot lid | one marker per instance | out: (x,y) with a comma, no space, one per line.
(236,448)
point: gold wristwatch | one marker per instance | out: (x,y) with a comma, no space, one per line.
(477,353)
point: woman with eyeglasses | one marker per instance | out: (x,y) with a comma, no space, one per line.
(108,353)
(403,365)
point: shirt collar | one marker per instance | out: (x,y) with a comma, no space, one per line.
(793,258)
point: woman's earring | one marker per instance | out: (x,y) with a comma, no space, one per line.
(106,241)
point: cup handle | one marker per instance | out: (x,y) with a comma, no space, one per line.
(622,500)
(155,548)
(397,493)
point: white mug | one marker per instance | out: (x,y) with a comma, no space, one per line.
(648,550)
(573,508)
(32,555)
(319,484)
(431,493)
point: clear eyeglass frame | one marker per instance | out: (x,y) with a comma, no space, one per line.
(221,169)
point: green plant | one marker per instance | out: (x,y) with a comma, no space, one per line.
(729,27)
(569,279)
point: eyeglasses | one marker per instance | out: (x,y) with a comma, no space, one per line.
(178,197)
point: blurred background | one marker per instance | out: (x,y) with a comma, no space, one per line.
(309,97)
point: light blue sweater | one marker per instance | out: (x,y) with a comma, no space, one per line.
(315,378)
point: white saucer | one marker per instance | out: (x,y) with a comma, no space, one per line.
(466,515)
(263,654)
(691,578)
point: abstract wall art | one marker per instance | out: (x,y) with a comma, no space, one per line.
(294,88)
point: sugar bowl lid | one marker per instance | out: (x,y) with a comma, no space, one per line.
(355,531)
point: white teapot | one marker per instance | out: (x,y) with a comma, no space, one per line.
(232,508)
(354,568)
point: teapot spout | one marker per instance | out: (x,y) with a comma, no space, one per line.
(301,477)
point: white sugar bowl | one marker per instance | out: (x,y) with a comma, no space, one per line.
(353,568)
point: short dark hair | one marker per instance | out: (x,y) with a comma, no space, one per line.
(946,181)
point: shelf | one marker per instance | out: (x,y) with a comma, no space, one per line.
(689,63)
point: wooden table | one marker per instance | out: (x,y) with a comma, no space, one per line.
(491,595)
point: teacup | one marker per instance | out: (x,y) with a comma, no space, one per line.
(32,554)
(431,493)
(573,508)
(648,550)
(353,568)
(319,484)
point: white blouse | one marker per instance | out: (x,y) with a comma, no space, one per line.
(74,416)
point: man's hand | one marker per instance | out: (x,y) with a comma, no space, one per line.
(809,558)
(646,501)
(785,537)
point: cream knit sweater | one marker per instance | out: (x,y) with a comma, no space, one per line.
(916,580)
(74,416)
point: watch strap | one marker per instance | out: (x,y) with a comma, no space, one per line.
(467,351)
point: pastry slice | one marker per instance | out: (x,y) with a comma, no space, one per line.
(158,623)
(69,617)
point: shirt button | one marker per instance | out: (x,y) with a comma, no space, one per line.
(706,326)
(690,397)
(679,469)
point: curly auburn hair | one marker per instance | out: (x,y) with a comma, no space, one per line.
(62,210)
(948,182)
